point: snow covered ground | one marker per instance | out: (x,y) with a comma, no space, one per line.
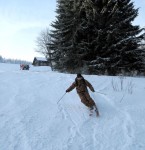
(31,119)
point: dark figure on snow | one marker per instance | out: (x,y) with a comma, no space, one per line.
(81,87)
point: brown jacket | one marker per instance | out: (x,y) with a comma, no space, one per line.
(81,86)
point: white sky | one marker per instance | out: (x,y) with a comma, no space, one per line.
(21,21)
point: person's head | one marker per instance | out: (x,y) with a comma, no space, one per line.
(79,75)
(78,78)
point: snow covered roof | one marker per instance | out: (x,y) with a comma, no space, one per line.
(41,58)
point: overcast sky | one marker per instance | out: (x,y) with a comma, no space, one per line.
(21,21)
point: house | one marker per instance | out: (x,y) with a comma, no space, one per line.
(40,61)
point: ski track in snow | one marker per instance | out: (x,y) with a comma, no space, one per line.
(31,119)
(81,123)
(13,127)
(124,122)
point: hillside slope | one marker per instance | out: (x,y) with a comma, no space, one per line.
(31,119)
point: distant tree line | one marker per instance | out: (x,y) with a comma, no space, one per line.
(96,37)
(13,61)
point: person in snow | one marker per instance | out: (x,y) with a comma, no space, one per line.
(81,85)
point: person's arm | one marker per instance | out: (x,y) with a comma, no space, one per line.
(71,87)
(90,86)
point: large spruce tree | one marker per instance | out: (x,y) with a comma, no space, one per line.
(63,44)
(97,35)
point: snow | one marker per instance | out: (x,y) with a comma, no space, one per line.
(41,58)
(31,118)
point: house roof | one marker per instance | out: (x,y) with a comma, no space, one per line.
(41,59)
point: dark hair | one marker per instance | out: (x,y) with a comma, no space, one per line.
(79,76)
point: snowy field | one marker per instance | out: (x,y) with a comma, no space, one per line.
(31,119)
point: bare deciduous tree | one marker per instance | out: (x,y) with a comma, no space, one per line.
(42,41)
